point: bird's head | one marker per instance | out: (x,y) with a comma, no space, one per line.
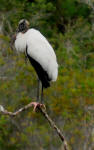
(23,26)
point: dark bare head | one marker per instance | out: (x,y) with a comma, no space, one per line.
(23,26)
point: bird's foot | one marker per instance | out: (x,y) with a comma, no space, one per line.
(37,105)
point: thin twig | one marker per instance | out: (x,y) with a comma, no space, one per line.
(44,113)
(5,112)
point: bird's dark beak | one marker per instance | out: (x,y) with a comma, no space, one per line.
(17,30)
(12,40)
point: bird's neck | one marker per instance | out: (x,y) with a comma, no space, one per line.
(24,31)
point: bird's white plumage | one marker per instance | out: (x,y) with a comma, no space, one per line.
(39,49)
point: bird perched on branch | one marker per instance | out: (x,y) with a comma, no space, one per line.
(40,54)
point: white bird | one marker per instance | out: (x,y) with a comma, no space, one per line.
(40,54)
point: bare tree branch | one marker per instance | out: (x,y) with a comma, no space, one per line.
(44,113)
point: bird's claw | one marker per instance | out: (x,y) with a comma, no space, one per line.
(37,105)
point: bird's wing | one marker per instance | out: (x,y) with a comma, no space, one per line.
(40,50)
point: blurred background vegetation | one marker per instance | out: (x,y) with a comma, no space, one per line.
(69,27)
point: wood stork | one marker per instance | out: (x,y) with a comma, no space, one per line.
(40,54)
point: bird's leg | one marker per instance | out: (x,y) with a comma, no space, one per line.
(37,104)
(42,94)
(38,90)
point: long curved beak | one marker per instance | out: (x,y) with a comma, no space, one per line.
(17,30)
(12,40)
